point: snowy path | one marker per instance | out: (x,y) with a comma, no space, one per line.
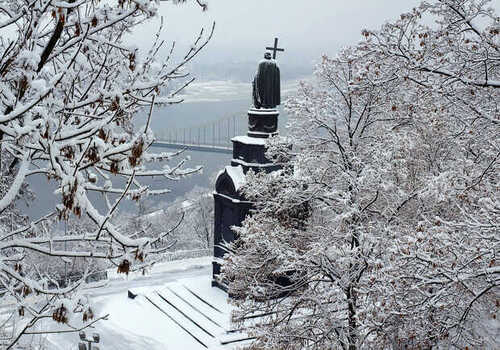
(175,308)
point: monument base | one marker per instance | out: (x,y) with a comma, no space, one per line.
(262,123)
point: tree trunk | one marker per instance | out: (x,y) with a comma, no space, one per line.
(352,336)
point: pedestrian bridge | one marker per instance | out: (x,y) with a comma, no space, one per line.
(194,147)
(213,137)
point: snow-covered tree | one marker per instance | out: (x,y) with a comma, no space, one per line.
(382,231)
(306,256)
(69,88)
(199,216)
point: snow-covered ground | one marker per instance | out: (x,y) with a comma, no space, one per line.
(175,308)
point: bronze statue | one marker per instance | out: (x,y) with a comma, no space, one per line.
(266,84)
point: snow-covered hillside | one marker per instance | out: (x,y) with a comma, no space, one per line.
(175,308)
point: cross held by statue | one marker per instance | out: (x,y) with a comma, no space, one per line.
(275,48)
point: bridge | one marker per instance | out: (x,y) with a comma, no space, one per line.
(213,137)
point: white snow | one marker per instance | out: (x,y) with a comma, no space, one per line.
(231,199)
(16,184)
(269,61)
(263,111)
(158,270)
(241,162)
(263,133)
(249,140)
(236,174)
(174,305)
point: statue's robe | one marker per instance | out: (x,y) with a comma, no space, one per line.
(266,85)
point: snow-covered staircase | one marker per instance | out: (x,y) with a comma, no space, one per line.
(196,315)
(175,308)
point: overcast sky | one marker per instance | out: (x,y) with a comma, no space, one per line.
(306,28)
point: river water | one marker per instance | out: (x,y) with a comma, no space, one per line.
(173,117)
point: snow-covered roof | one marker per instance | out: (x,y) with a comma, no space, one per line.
(263,111)
(249,140)
(236,174)
(263,133)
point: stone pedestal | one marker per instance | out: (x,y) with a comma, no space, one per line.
(249,151)
(231,207)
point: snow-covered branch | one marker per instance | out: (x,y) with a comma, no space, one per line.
(70,87)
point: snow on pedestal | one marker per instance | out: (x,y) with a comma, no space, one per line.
(231,207)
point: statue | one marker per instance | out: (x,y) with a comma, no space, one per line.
(249,152)
(266,84)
